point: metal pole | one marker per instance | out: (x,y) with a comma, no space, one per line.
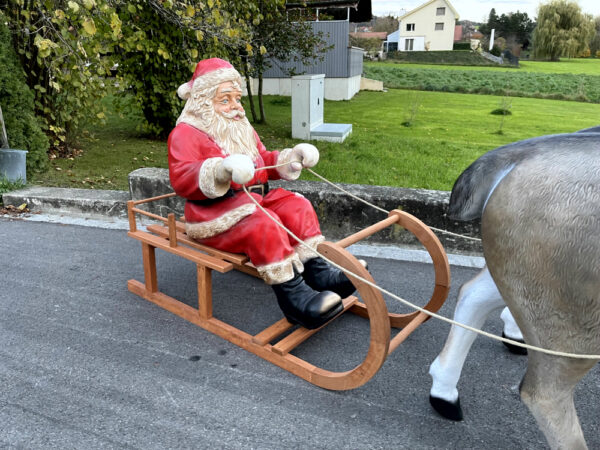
(3,136)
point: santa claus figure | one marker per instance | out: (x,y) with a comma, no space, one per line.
(213,152)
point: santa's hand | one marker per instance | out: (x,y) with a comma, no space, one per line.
(305,154)
(238,168)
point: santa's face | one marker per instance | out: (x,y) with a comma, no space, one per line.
(228,101)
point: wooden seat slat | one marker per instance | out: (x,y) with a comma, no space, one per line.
(270,333)
(185,252)
(294,339)
(163,231)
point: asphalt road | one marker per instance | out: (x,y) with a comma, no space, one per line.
(86,364)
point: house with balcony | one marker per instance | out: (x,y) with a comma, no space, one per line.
(428,27)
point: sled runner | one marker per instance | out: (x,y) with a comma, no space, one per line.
(268,344)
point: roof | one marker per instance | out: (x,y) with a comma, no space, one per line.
(360,10)
(382,35)
(456,16)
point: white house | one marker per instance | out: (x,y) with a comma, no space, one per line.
(428,27)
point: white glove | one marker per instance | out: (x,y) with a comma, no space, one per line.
(238,168)
(305,155)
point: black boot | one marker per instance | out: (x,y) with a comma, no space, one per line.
(322,276)
(304,306)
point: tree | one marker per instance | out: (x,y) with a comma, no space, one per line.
(371,45)
(388,24)
(61,56)
(514,26)
(161,45)
(562,30)
(276,37)
(595,41)
(67,48)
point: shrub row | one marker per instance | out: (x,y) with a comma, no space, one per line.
(22,127)
(450,57)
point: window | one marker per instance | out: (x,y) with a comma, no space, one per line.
(408,44)
(392,46)
(410,27)
(440,12)
(439,26)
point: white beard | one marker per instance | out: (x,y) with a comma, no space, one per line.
(235,137)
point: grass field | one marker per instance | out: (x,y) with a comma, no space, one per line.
(534,80)
(448,131)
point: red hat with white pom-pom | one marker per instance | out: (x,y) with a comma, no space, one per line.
(208,73)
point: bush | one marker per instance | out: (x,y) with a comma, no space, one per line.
(496,51)
(461,46)
(22,126)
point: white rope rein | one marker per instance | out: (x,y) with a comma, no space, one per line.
(400,299)
(381,209)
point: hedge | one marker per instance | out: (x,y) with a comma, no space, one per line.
(22,126)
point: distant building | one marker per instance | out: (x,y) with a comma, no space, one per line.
(391,44)
(458,33)
(430,26)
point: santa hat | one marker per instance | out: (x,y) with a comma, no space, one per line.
(208,73)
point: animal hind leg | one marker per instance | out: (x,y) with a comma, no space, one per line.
(547,390)
(477,299)
(512,331)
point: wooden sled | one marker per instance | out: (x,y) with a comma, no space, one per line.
(171,237)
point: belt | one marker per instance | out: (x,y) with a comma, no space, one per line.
(261,189)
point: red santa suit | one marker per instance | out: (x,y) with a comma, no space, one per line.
(222,216)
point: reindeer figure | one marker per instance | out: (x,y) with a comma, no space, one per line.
(539,203)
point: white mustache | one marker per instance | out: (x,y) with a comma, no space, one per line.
(232,114)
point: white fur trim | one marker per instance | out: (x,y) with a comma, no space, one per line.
(305,253)
(184,91)
(207,179)
(215,78)
(210,228)
(286,172)
(282,271)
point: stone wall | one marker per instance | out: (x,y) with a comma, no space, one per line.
(341,215)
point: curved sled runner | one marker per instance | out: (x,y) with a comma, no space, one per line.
(171,237)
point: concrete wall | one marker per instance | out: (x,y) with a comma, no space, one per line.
(340,215)
(335,88)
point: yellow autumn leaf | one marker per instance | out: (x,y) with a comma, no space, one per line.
(199,35)
(59,14)
(115,24)
(22,207)
(89,26)
(73,6)
(263,50)
(89,4)
(190,11)
(101,115)
(132,9)
(194,53)
(248,47)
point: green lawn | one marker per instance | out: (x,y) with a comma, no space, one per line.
(448,132)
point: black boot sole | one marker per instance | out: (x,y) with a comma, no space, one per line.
(315,323)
